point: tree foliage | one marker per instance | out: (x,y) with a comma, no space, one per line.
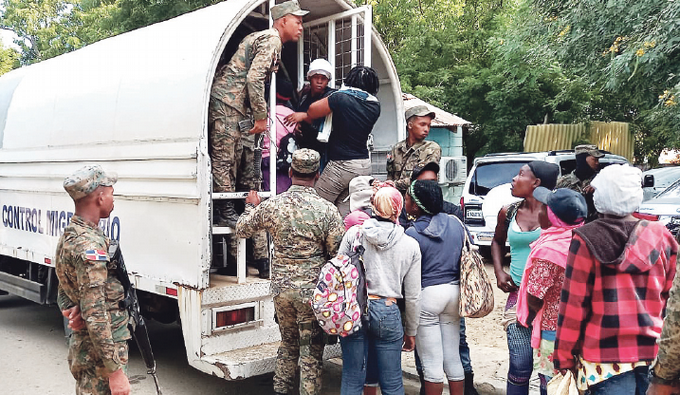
(501,64)
(627,54)
(507,64)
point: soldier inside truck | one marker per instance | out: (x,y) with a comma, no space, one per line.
(224,258)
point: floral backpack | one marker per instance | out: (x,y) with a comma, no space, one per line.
(340,298)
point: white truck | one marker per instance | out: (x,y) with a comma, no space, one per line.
(137,104)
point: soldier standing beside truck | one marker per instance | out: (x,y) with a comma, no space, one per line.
(414,151)
(236,99)
(307,231)
(98,352)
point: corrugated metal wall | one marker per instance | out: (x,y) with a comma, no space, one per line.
(614,137)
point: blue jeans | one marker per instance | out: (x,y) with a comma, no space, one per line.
(634,382)
(382,336)
(464,349)
(521,359)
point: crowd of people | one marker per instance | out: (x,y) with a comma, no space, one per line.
(588,283)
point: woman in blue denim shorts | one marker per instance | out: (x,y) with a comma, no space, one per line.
(392,262)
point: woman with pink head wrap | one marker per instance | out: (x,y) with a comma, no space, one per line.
(386,201)
(392,262)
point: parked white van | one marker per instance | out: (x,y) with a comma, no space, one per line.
(137,104)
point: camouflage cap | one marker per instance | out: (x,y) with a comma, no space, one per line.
(289,7)
(305,161)
(84,181)
(590,149)
(419,111)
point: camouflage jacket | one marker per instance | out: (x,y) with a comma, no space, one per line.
(403,159)
(572,182)
(240,84)
(307,231)
(88,279)
(667,363)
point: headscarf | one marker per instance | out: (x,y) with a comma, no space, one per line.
(618,190)
(546,172)
(427,195)
(386,201)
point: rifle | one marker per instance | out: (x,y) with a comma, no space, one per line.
(137,325)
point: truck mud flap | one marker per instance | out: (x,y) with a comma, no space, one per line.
(27,289)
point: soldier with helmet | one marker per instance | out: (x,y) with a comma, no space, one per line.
(307,231)
(89,288)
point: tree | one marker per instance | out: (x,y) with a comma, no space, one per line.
(9,59)
(627,55)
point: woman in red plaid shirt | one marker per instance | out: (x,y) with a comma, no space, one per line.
(618,275)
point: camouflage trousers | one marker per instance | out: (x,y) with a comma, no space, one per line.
(86,366)
(232,154)
(301,340)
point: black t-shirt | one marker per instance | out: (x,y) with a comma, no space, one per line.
(353,120)
(307,138)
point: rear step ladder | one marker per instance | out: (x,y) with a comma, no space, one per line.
(225,230)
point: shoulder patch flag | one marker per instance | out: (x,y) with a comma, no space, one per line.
(96,255)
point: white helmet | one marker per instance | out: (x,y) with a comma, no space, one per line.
(320,66)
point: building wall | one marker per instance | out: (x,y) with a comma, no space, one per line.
(614,137)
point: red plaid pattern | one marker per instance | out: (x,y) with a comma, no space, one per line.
(614,312)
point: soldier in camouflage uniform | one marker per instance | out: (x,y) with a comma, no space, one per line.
(307,231)
(98,353)
(587,167)
(238,94)
(414,151)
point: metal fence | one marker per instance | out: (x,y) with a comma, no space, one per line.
(614,137)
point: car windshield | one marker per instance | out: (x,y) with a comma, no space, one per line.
(490,175)
(666,176)
(672,191)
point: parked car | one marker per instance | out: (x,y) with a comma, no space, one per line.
(494,170)
(664,207)
(657,180)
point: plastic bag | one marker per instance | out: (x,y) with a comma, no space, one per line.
(563,385)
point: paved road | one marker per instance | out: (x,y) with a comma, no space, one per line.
(33,359)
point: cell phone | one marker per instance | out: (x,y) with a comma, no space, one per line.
(246,125)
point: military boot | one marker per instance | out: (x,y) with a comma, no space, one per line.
(263,266)
(225,214)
